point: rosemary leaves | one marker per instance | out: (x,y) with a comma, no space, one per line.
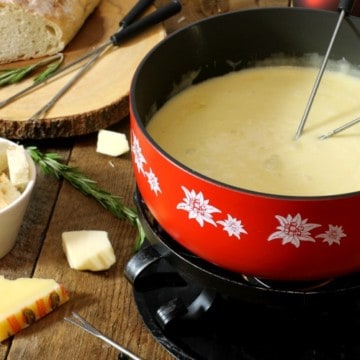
(50,164)
(15,75)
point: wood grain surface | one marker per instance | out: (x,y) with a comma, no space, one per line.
(98,99)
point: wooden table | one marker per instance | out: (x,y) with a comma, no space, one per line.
(105,299)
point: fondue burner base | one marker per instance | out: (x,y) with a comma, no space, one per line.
(228,328)
(199,311)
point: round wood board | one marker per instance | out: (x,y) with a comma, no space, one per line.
(98,99)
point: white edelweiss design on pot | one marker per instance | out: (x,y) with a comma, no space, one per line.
(200,210)
(197,207)
(233,226)
(140,162)
(139,158)
(153,181)
(293,230)
(333,235)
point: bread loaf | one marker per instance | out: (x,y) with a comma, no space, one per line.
(35,28)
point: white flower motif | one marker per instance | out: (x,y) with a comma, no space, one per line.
(293,230)
(333,235)
(153,181)
(197,207)
(232,226)
(138,156)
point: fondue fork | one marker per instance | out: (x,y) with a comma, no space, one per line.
(345,7)
(134,12)
(116,39)
(340,128)
(79,321)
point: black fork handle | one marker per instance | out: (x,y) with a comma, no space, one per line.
(154,18)
(135,12)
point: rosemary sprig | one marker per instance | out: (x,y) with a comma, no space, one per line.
(50,164)
(50,69)
(15,75)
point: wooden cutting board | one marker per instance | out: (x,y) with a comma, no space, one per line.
(98,99)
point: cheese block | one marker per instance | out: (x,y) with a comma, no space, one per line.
(35,28)
(25,300)
(88,250)
(112,143)
(18,165)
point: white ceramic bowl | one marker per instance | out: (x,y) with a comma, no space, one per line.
(11,217)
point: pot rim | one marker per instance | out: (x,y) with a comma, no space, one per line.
(140,122)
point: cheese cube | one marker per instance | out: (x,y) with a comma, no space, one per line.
(18,165)
(3,161)
(112,143)
(25,300)
(88,250)
(8,192)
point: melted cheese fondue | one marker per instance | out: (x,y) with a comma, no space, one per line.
(239,129)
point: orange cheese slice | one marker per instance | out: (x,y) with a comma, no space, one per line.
(25,300)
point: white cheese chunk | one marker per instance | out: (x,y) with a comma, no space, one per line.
(3,161)
(8,192)
(88,250)
(18,165)
(112,143)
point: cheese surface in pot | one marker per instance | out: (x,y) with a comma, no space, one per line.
(240,128)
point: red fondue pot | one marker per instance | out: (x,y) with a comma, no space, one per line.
(256,234)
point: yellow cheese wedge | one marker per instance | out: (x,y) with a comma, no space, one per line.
(25,300)
(112,143)
(88,250)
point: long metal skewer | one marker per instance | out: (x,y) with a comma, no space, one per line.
(130,17)
(153,18)
(345,6)
(55,73)
(85,325)
(340,128)
(65,88)
(135,12)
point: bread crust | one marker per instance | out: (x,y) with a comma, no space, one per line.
(40,27)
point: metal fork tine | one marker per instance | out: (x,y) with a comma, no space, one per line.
(85,325)
(340,128)
(35,85)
